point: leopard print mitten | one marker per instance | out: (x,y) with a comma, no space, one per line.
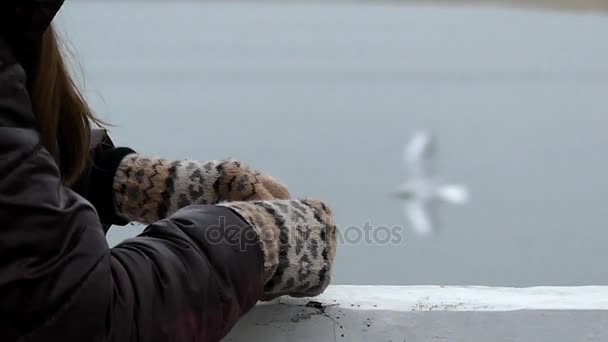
(149,189)
(299,243)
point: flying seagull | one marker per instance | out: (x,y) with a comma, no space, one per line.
(423,191)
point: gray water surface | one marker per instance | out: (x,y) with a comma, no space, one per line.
(325,96)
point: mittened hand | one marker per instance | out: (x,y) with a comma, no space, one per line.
(238,182)
(274,187)
(148,189)
(298,239)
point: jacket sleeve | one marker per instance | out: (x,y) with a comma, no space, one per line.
(96,181)
(186,278)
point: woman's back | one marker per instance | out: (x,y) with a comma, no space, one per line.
(190,276)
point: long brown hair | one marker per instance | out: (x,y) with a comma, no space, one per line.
(64,118)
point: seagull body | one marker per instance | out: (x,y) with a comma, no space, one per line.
(423,192)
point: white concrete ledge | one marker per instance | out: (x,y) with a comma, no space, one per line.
(432,313)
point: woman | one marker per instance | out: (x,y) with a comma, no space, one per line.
(221,236)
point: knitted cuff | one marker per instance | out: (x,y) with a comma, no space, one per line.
(149,189)
(298,239)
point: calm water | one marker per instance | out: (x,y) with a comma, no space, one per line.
(324,97)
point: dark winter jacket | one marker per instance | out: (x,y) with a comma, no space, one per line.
(59,280)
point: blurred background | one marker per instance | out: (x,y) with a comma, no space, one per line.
(324,95)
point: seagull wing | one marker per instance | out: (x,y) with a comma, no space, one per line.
(419,217)
(418,153)
(456,194)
